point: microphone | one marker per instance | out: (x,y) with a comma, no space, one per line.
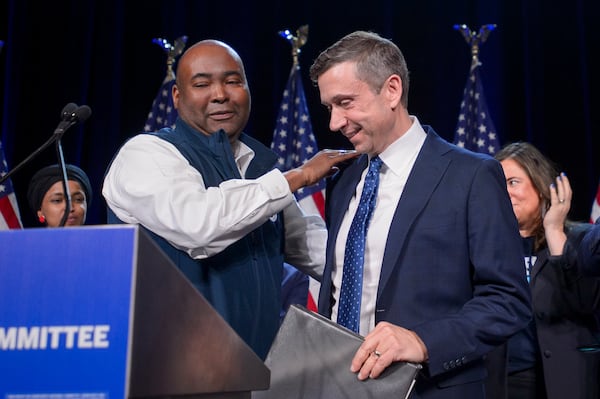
(68,111)
(82,113)
(71,115)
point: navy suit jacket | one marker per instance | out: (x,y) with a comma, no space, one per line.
(453,267)
(589,251)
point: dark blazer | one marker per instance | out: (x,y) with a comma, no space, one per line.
(589,251)
(565,305)
(452,269)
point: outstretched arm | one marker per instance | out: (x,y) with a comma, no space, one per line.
(321,165)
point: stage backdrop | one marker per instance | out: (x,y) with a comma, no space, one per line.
(538,71)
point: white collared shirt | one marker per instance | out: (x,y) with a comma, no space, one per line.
(398,159)
(150,183)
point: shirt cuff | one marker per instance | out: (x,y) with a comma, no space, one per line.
(276,185)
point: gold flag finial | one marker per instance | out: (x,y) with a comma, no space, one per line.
(173,51)
(475,39)
(296,41)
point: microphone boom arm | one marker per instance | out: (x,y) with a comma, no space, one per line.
(71,115)
(65,182)
(26,160)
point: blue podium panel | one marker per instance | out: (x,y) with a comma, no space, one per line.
(66,312)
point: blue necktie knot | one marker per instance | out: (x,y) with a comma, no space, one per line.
(354,255)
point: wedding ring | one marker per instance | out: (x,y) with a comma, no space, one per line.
(561,200)
(377,353)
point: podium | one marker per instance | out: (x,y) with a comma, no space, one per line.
(100,312)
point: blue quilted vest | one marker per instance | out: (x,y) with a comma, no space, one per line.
(243,282)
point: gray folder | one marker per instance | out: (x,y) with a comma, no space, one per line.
(310,359)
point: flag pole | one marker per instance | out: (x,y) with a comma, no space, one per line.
(172,51)
(475,130)
(475,39)
(294,143)
(296,41)
(163,113)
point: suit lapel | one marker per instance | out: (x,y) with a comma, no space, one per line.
(346,187)
(426,174)
(540,262)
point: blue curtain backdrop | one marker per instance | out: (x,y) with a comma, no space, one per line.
(539,71)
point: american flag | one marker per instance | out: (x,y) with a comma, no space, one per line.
(295,143)
(9,210)
(596,207)
(163,112)
(475,130)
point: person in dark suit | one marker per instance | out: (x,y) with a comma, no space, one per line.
(443,280)
(549,359)
(589,251)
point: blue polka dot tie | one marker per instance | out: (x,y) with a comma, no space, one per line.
(354,256)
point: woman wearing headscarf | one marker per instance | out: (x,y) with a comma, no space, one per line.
(47,199)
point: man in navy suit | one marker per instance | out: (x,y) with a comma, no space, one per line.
(444,281)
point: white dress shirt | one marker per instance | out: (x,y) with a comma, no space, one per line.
(150,183)
(398,159)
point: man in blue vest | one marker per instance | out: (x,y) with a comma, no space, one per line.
(211,196)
